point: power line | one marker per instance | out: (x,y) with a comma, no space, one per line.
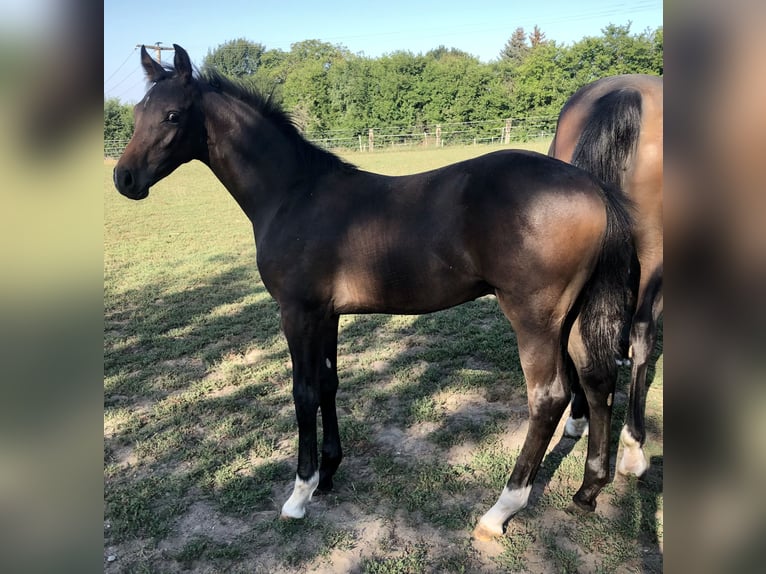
(123,80)
(129,88)
(119,67)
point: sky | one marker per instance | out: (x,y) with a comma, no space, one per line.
(479,27)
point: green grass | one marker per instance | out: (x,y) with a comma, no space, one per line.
(198,414)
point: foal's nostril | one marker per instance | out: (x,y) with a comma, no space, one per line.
(123,179)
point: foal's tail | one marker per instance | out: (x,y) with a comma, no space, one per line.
(609,137)
(606,303)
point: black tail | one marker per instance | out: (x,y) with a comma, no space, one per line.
(607,301)
(609,137)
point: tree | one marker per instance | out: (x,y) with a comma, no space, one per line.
(118,120)
(442,51)
(306,88)
(543,82)
(537,37)
(616,51)
(516,48)
(333,93)
(657,40)
(236,58)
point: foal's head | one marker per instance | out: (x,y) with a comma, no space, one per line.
(169,127)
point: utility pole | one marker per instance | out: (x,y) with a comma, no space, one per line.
(157,48)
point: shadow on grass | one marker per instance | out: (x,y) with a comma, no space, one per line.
(226,445)
(159,338)
(183,427)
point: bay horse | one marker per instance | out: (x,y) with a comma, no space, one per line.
(613,128)
(547,238)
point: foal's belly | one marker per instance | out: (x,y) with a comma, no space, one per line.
(362,291)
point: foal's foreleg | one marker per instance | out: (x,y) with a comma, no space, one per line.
(332,453)
(305,333)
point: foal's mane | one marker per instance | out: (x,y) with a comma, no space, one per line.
(315,158)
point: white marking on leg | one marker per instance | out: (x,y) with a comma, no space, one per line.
(575,428)
(509,503)
(295,507)
(328,363)
(633,460)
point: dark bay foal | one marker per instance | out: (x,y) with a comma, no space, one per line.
(543,236)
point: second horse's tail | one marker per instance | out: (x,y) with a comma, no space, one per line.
(609,136)
(606,304)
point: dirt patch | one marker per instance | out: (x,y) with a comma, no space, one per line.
(202,520)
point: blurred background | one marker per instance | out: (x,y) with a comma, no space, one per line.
(50,286)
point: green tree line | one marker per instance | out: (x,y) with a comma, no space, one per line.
(330,90)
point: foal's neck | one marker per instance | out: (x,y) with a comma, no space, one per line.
(249,156)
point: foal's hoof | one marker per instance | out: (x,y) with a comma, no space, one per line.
(325,486)
(484,533)
(580,507)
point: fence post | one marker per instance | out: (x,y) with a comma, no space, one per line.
(438,135)
(507,131)
(371,138)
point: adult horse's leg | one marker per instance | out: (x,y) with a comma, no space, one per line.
(332,453)
(547,394)
(643,336)
(306,331)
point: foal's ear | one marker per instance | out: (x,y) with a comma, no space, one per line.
(154,72)
(182,64)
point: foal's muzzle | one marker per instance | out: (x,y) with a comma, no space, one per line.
(127,185)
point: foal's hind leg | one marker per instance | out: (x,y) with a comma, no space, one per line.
(643,336)
(548,394)
(577,422)
(598,384)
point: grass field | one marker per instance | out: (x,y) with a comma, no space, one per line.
(200,439)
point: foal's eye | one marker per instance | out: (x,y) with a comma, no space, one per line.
(172,117)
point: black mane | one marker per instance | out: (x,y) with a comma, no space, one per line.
(313,156)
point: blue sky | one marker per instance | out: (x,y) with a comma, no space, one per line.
(480,27)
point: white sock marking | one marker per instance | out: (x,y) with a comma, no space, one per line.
(295,507)
(576,428)
(633,460)
(509,503)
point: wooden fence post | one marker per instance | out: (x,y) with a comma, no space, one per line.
(507,132)
(438,135)
(371,140)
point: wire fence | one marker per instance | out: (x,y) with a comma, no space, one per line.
(504,131)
